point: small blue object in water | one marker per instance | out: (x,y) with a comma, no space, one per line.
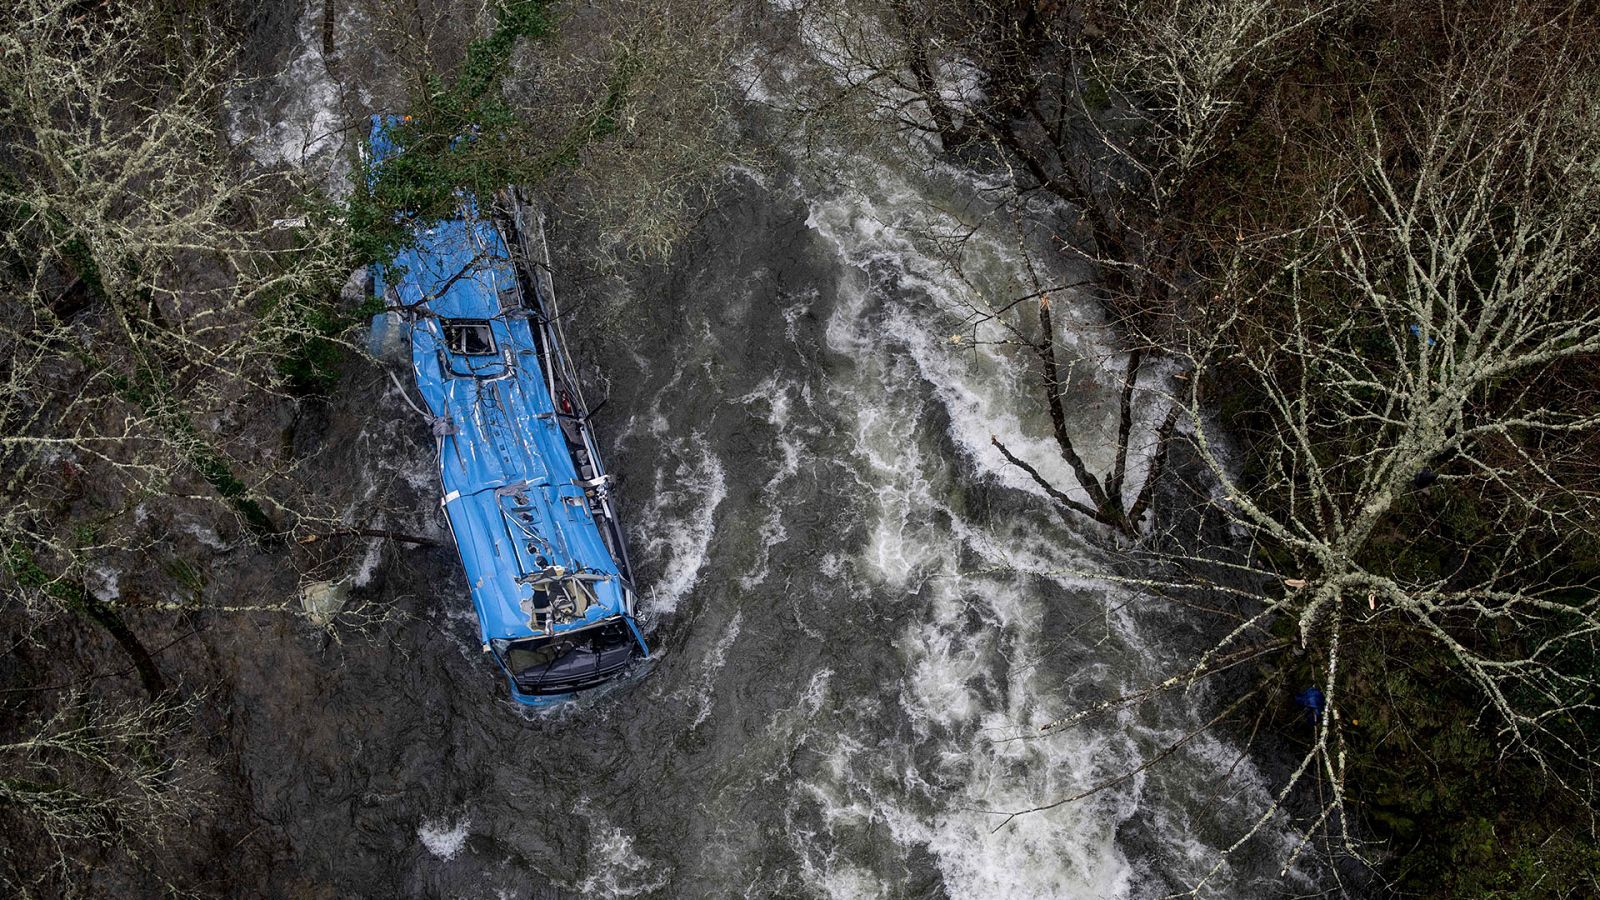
(1311,698)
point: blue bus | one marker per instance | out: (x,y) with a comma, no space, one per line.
(523,488)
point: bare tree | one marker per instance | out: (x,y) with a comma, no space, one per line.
(620,110)
(91,773)
(146,308)
(1108,497)
(1419,330)
(670,137)
(149,301)
(1419,315)
(1112,106)
(152,321)
(1017,84)
(1416,325)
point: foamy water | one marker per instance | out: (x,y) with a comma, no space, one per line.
(679,521)
(302,121)
(444,838)
(981,591)
(866,612)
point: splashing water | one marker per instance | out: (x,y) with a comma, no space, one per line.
(864,612)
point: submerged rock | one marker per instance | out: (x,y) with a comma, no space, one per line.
(324,600)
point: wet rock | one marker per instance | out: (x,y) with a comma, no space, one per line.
(324,600)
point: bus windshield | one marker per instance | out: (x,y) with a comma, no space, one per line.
(565,662)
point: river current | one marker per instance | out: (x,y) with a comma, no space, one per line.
(862,613)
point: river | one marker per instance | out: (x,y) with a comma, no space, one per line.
(862,614)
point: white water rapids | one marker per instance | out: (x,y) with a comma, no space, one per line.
(861,608)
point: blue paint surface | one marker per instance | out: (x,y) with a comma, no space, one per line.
(528,524)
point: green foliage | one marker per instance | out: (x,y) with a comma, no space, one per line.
(26,571)
(459,137)
(1096,94)
(1543,867)
(77,256)
(185,575)
(216,471)
(462,138)
(313,356)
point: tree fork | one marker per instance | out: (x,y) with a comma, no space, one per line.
(1058,416)
(1049,488)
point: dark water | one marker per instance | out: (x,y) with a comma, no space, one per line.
(859,608)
